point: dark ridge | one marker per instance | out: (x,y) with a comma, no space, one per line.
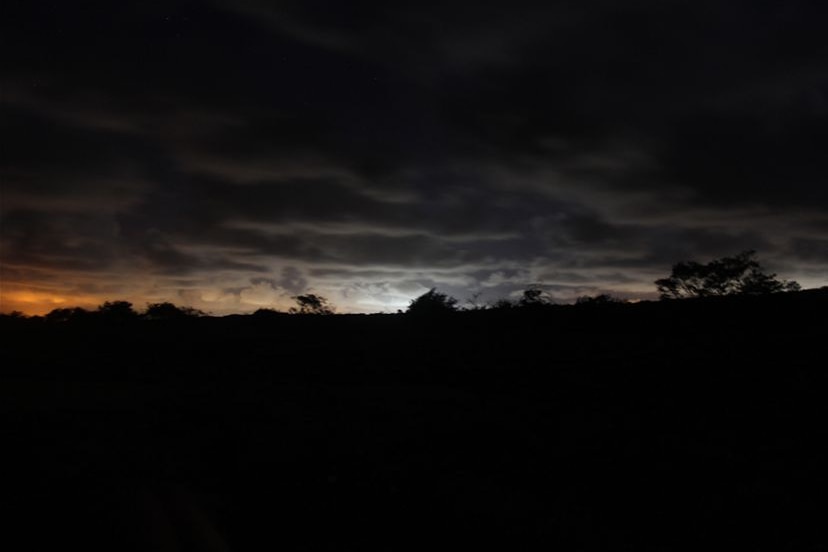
(649,426)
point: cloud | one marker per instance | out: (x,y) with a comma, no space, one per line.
(235,153)
(261,293)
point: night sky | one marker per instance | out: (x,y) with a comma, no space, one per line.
(228,155)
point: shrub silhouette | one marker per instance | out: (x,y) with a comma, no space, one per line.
(504,304)
(531,298)
(432,303)
(169,311)
(738,275)
(311,304)
(600,299)
(267,313)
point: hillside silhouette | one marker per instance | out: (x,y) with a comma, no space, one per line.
(596,426)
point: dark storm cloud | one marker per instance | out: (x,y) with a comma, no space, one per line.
(58,165)
(409,144)
(811,250)
(69,241)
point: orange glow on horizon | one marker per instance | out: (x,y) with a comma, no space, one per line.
(38,302)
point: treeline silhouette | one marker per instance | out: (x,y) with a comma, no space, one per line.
(601,425)
(740,275)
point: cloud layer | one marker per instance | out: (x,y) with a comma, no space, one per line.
(229,155)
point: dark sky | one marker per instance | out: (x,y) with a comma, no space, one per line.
(230,154)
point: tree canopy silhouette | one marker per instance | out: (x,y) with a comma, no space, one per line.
(70,314)
(117,311)
(432,303)
(311,304)
(534,297)
(738,275)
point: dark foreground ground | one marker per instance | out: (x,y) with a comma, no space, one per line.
(682,426)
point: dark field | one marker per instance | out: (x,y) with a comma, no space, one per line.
(660,426)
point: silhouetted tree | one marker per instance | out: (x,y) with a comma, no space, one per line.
(504,304)
(741,274)
(474,303)
(759,283)
(600,299)
(117,311)
(169,311)
(534,297)
(311,304)
(432,303)
(70,314)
